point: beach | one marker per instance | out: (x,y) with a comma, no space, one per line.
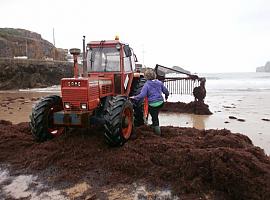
(252,107)
(235,109)
(243,96)
(75,120)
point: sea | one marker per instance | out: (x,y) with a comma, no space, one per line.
(215,83)
(237,82)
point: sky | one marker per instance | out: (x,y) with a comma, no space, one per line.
(201,36)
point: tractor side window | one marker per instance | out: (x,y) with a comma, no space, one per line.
(103,60)
(127,63)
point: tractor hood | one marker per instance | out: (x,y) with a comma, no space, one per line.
(85,93)
(105,85)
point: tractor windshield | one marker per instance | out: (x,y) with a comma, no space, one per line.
(104,59)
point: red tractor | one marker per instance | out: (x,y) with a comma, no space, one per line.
(99,95)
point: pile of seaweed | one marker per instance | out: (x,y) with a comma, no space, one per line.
(185,160)
(194,107)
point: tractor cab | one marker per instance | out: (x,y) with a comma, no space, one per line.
(108,68)
(111,59)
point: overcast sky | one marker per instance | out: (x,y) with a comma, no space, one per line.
(199,35)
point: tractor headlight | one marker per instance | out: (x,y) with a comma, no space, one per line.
(67,105)
(83,106)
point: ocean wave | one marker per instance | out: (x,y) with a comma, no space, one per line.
(213,78)
(222,90)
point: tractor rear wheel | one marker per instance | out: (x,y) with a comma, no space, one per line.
(141,107)
(118,121)
(41,119)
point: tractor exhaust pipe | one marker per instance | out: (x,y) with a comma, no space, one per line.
(84,59)
(75,53)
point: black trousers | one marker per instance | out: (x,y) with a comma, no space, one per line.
(154,111)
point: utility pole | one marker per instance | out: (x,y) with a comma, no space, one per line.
(143,54)
(26,49)
(53,38)
(53,45)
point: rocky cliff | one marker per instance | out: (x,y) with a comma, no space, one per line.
(28,61)
(20,42)
(265,68)
(17,74)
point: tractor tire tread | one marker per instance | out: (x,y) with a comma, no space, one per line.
(138,106)
(38,118)
(113,122)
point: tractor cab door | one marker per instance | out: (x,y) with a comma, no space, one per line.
(128,68)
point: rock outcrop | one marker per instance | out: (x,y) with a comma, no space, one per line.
(181,69)
(17,74)
(24,43)
(265,68)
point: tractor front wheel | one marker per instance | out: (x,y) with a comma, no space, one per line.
(41,119)
(118,121)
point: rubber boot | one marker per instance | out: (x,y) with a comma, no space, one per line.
(150,125)
(157,130)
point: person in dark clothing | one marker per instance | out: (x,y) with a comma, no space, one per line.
(199,92)
(153,89)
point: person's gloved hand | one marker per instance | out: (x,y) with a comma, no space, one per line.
(166,97)
(132,98)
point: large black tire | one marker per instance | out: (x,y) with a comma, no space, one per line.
(139,116)
(41,119)
(118,121)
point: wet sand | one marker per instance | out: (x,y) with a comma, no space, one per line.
(16,106)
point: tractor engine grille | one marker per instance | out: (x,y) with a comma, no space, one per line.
(93,92)
(106,89)
(75,96)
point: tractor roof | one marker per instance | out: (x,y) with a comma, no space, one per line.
(104,42)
